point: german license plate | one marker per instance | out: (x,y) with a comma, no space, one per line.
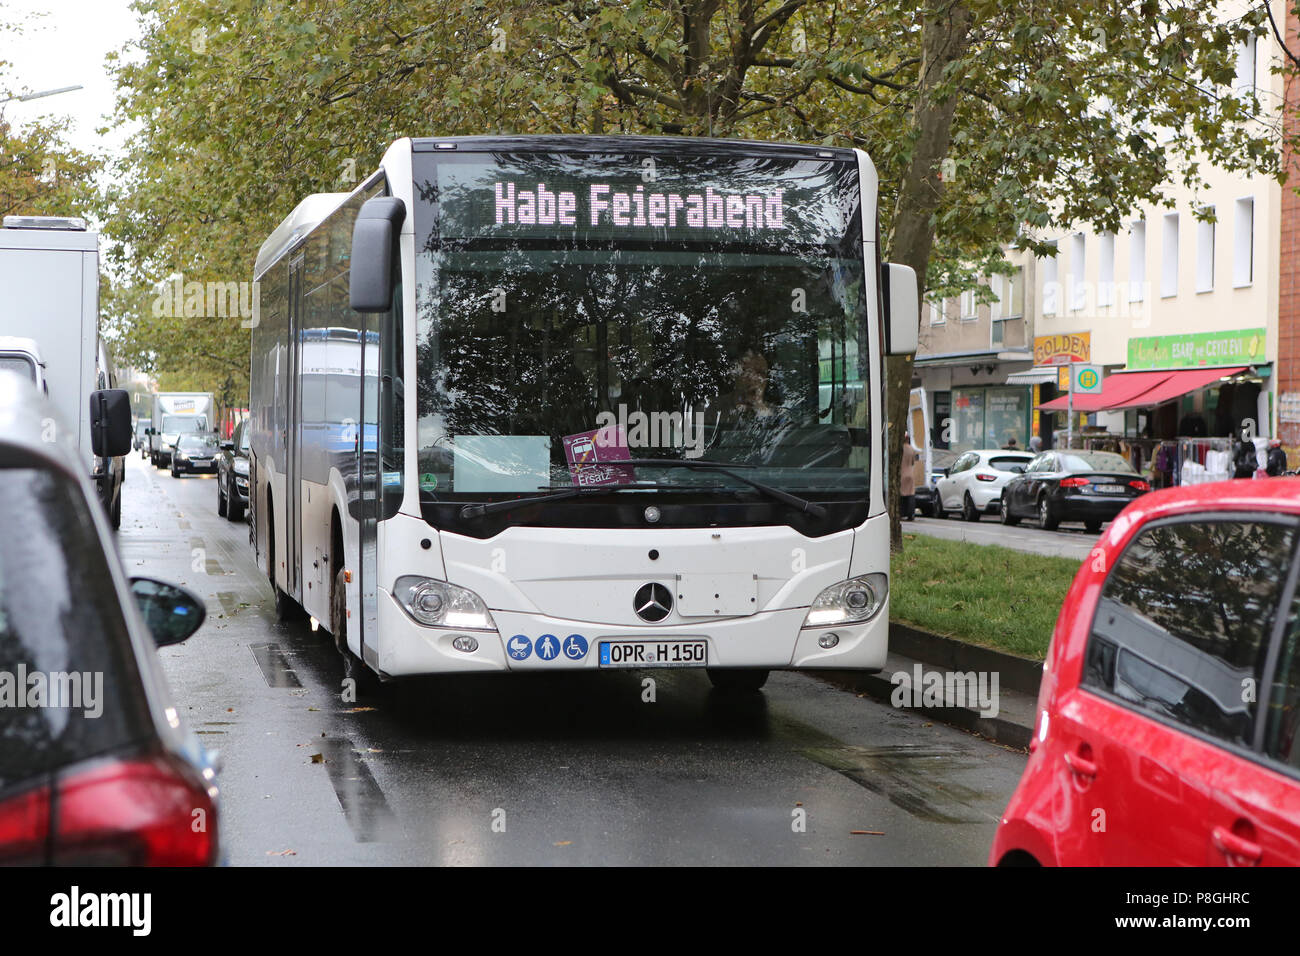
(1110,489)
(652,653)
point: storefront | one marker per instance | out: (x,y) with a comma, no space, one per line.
(975,400)
(1182,400)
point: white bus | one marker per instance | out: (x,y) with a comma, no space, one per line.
(623,407)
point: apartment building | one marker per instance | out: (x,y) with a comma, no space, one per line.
(1179,309)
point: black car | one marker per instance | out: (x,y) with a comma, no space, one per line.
(927,495)
(195,454)
(232,475)
(109,775)
(1088,486)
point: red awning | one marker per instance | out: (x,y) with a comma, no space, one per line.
(1179,384)
(1142,389)
(1117,391)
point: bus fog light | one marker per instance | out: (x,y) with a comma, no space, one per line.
(436,603)
(465,643)
(849,602)
(828,641)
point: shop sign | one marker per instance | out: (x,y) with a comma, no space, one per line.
(1062,349)
(1197,350)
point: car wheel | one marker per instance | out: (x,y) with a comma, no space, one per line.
(1006,517)
(175,473)
(938,508)
(221,500)
(115,513)
(1047,517)
(234,508)
(968,510)
(737,680)
(1093,526)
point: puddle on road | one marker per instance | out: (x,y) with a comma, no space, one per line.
(275,666)
(917,779)
(363,803)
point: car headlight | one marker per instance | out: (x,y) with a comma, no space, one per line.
(182,456)
(849,602)
(439,604)
(241,466)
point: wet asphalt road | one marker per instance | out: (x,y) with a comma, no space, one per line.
(574,769)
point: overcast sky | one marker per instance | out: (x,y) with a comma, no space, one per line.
(66,47)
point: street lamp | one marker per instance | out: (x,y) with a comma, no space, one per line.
(36,96)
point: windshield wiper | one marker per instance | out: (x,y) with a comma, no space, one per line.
(479,509)
(724,467)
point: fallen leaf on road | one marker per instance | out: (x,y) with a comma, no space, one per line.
(564,843)
(357,710)
(866,833)
(281,852)
(317,758)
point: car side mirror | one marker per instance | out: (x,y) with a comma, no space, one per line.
(171,613)
(945,472)
(374,245)
(110,423)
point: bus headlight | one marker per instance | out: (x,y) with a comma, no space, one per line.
(849,602)
(439,604)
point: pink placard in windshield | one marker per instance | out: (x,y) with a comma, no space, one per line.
(593,461)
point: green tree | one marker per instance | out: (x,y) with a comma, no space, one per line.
(989,121)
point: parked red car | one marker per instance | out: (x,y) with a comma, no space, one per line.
(1168,713)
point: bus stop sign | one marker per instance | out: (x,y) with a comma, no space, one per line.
(1087,379)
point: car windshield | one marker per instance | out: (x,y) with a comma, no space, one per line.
(197,443)
(181,424)
(1096,461)
(69,682)
(736,332)
(19,364)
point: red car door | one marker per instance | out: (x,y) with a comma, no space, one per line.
(1161,726)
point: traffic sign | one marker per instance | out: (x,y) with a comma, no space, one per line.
(1087,379)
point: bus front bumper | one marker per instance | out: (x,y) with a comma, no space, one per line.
(771,640)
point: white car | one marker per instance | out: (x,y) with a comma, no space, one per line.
(973,485)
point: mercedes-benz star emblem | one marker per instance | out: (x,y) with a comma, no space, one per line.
(653,602)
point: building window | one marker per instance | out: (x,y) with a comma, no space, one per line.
(936,313)
(1051,283)
(1013,298)
(969,309)
(1078,290)
(1205,253)
(1137,260)
(1106,269)
(1169,257)
(1243,253)
(1245,79)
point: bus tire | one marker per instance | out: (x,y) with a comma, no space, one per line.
(737,680)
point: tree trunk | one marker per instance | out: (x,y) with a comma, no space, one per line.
(945,40)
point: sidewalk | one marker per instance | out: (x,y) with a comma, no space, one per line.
(957,666)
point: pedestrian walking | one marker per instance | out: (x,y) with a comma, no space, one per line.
(1276,459)
(907,482)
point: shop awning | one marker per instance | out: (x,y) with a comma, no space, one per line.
(1142,389)
(1179,384)
(1032,376)
(1117,391)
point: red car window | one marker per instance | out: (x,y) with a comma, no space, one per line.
(1183,625)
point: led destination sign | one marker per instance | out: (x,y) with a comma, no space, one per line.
(606,205)
(774,202)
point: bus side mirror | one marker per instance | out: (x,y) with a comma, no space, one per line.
(374,243)
(110,423)
(902,309)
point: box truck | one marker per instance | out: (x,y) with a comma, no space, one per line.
(49,333)
(175,414)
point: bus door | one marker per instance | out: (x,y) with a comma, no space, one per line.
(370,471)
(293,453)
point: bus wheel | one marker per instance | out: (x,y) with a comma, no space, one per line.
(737,680)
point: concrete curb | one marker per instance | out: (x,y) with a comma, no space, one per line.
(1015,673)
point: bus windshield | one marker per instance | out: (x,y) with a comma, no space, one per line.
(580,313)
